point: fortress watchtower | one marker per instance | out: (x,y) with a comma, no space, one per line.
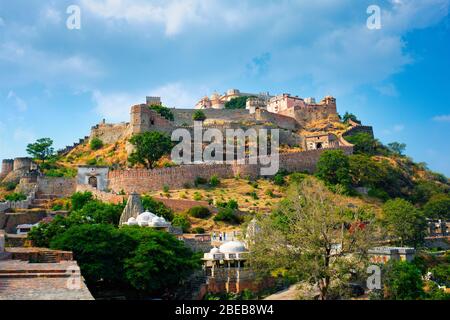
(22,163)
(7,166)
(153,101)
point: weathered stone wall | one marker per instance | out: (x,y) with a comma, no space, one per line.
(61,187)
(358,129)
(141,181)
(281,121)
(13,219)
(110,133)
(22,163)
(7,166)
(184,116)
(143,119)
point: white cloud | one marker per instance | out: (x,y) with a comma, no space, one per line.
(115,106)
(36,65)
(19,103)
(176,16)
(51,15)
(442,118)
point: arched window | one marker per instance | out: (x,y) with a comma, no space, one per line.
(93,181)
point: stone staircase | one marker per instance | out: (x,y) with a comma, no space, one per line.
(42,201)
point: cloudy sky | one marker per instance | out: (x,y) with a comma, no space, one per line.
(56,82)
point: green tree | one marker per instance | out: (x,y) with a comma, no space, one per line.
(333,168)
(79,199)
(311,238)
(438,207)
(157,207)
(96,144)
(403,281)
(349,116)
(397,148)
(363,143)
(99,249)
(182,222)
(199,212)
(199,115)
(160,261)
(41,149)
(149,148)
(163,111)
(237,103)
(405,222)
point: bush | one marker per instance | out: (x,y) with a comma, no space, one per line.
(182,222)
(197,196)
(10,186)
(214,181)
(163,111)
(199,212)
(253,194)
(15,197)
(278,179)
(333,168)
(199,181)
(378,193)
(199,115)
(227,215)
(96,144)
(79,199)
(198,230)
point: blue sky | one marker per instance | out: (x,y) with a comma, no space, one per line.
(56,82)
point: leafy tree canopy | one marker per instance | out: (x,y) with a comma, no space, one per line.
(405,222)
(149,148)
(403,281)
(41,149)
(397,148)
(438,207)
(333,168)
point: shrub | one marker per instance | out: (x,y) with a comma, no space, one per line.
(79,199)
(227,215)
(199,115)
(253,194)
(197,196)
(199,212)
(214,181)
(270,193)
(96,144)
(15,197)
(166,188)
(278,179)
(333,168)
(378,193)
(199,181)
(163,111)
(198,230)
(182,222)
(10,186)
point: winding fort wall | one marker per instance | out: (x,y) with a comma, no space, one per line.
(141,181)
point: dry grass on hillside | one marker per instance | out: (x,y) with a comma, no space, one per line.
(259,196)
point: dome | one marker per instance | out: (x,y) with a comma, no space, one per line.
(132,222)
(214,251)
(146,216)
(232,247)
